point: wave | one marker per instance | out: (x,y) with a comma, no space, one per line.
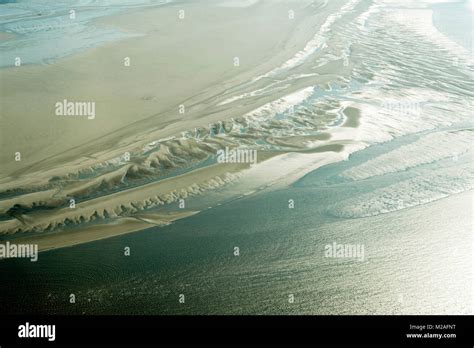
(425,188)
(430,148)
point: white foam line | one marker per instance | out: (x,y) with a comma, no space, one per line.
(281,104)
(318,41)
(364,17)
(266,89)
(422,189)
(431,148)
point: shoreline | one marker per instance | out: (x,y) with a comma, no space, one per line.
(138,114)
(153,90)
(286,169)
(66,239)
(155,160)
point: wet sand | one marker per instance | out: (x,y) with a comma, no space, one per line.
(174,62)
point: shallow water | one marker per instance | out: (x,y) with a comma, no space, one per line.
(414,262)
(455,21)
(43,31)
(412,214)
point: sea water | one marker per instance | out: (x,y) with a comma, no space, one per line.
(265,253)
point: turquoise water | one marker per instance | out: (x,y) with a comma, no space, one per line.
(43,31)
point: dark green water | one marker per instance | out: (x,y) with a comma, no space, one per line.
(281,254)
(416,259)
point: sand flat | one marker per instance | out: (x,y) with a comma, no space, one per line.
(101,231)
(173,62)
(164,73)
